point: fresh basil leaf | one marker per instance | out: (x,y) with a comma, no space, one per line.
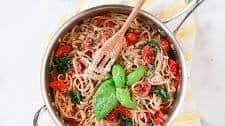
(124,98)
(118,74)
(161,93)
(153,44)
(136,75)
(62,65)
(104,99)
(75,97)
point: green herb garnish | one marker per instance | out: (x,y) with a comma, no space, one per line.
(153,44)
(104,99)
(125,122)
(62,65)
(161,93)
(75,97)
(150,71)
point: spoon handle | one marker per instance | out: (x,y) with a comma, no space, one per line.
(132,16)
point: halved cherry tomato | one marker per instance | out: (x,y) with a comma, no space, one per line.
(165,45)
(131,38)
(119,110)
(143,89)
(109,24)
(159,118)
(78,66)
(62,50)
(173,67)
(158,121)
(59,85)
(147,55)
(98,21)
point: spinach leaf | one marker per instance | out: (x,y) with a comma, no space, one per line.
(75,97)
(151,71)
(124,98)
(153,44)
(125,122)
(104,99)
(161,93)
(62,65)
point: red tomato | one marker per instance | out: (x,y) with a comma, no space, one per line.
(131,38)
(109,24)
(113,115)
(63,50)
(173,67)
(159,118)
(78,66)
(158,121)
(124,112)
(165,45)
(59,85)
(119,110)
(143,89)
(147,55)
(98,21)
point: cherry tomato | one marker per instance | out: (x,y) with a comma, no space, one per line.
(131,38)
(109,24)
(147,55)
(124,112)
(113,115)
(173,67)
(165,45)
(119,110)
(98,22)
(158,121)
(159,118)
(59,85)
(62,50)
(143,89)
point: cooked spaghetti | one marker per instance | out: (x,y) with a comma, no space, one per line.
(147,65)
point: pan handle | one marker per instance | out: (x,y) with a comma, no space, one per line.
(186,14)
(37,114)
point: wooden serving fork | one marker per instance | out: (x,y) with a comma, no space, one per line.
(104,58)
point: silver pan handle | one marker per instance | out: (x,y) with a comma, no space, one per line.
(186,12)
(37,114)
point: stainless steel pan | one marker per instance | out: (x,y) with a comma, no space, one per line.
(124,9)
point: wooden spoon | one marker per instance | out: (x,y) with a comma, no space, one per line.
(104,58)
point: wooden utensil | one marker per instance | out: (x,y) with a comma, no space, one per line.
(104,58)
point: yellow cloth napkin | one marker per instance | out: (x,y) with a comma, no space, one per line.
(188,115)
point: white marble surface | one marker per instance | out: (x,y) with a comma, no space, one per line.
(24,23)
(208,67)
